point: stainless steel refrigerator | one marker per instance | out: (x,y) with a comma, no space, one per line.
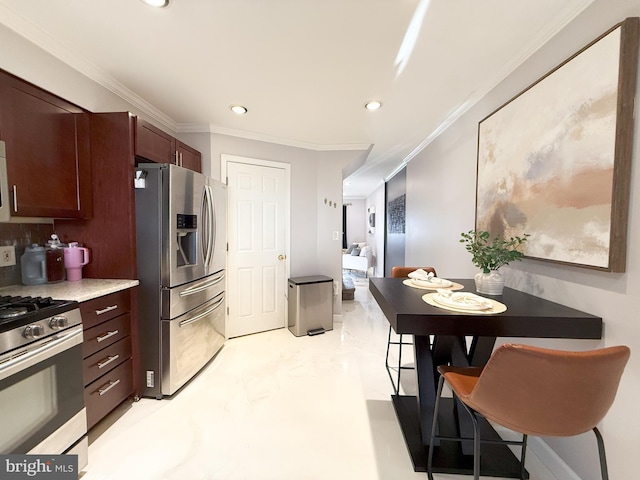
(181,253)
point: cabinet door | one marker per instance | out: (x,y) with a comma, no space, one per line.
(48,152)
(188,157)
(153,144)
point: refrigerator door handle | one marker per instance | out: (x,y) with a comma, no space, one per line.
(201,287)
(191,320)
(214,222)
(208,225)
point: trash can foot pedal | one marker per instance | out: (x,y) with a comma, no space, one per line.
(315,331)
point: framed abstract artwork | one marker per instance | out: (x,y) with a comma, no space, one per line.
(555,161)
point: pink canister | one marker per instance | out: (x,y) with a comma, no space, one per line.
(75,258)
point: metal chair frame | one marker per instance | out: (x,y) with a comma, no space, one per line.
(400,367)
(477,440)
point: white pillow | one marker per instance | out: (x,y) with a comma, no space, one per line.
(362,245)
(365,250)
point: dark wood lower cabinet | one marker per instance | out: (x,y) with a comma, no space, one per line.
(107,392)
(107,349)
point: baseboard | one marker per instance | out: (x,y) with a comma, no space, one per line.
(545,454)
(551,460)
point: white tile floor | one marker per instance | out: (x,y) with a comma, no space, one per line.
(273,406)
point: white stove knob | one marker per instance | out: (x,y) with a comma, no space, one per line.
(59,321)
(33,331)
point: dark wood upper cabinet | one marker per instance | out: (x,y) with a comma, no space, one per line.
(111,233)
(155,145)
(188,157)
(48,152)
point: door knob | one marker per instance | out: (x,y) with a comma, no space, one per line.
(281,257)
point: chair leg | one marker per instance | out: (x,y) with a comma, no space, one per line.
(395,387)
(400,344)
(434,427)
(603,458)
(476,444)
(522,457)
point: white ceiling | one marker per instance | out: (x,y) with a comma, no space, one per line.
(303,68)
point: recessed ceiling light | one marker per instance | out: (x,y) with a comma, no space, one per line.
(239,109)
(373,105)
(156,3)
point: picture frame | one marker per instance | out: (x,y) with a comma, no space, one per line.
(555,160)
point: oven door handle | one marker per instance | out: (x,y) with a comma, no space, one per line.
(48,349)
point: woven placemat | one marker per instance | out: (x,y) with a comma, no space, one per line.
(496,308)
(453,286)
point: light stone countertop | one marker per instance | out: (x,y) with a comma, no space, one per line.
(81,291)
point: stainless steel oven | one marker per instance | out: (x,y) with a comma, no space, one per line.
(41,387)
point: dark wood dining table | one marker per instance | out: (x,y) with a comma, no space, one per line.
(465,339)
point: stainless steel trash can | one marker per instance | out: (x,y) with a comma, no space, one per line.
(310,305)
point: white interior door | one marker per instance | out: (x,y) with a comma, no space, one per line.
(257,233)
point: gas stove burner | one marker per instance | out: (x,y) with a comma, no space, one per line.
(18,312)
(12,312)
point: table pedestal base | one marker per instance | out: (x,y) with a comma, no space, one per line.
(496,460)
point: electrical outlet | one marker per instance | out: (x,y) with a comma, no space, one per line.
(7,256)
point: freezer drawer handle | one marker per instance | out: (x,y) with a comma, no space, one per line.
(108,360)
(189,321)
(199,288)
(108,386)
(107,335)
(105,310)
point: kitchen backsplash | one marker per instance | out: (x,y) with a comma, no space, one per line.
(21,235)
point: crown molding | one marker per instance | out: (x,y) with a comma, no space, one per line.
(479,94)
(210,128)
(54,48)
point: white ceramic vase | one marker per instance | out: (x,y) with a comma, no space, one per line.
(491,283)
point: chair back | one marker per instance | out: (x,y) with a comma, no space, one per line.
(402,272)
(540,391)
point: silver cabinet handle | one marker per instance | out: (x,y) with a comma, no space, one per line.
(107,335)
(15,199)
(105,310)
(108,360)
(108,386)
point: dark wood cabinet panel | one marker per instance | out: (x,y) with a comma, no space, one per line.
(110,357)
(111,233)
(188,157)
(105,308)
(110,351)
(154,144)
(107,392)
(105,334)
(48,152)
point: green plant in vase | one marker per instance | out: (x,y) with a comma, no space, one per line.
(489,254)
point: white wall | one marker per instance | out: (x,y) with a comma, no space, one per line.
(434,227)
(356,221)
(376,200)
(314,175)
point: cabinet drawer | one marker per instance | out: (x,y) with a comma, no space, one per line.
(107,392)
(106,359)
(104,308)
(105,334)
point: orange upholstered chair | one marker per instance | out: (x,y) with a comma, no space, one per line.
(537,391)
(400,272)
